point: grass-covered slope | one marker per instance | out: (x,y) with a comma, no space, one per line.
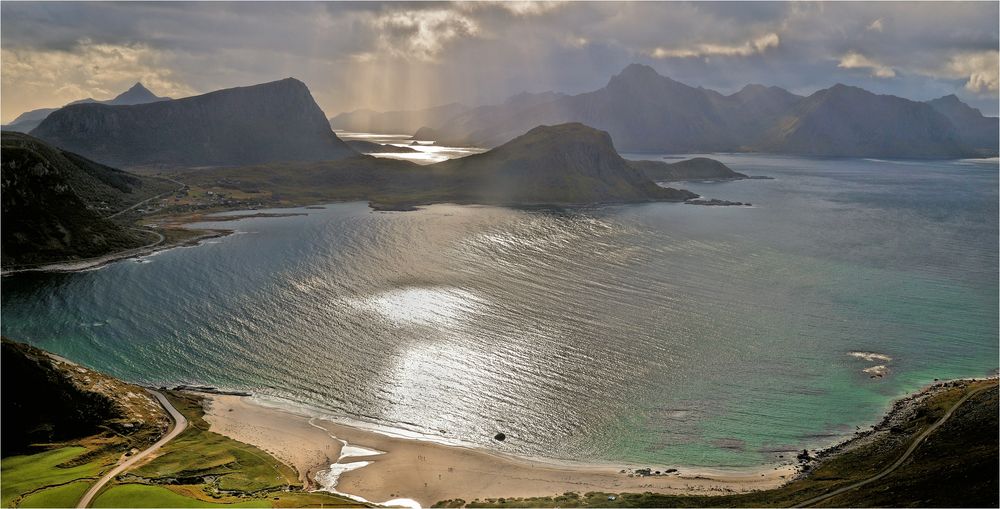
(56,204)
(66,425)
(57,401)
(201,468)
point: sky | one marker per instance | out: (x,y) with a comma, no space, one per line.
(388,56)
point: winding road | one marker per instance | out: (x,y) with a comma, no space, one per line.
(906,455)
(151,198)
(180,424)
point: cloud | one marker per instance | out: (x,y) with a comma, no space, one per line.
(980,68)
(515,7)
(90,70)
(420,34)
(854,60)
(397,55)
(751,47)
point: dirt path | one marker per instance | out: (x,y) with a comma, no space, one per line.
(180,424)
(906,455)
(147,200)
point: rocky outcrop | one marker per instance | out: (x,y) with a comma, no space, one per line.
(698,168)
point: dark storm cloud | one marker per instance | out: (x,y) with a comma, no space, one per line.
(396,55)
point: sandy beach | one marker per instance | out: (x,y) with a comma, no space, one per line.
(428,472)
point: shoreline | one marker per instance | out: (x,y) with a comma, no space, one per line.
(377,467)
(382,468)
(898,411)
(98,262)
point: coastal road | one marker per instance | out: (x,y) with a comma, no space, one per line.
(906,455)
(180,424)
(147,200)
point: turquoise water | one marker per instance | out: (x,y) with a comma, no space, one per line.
(655,333)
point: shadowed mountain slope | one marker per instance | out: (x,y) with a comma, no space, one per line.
(277,121)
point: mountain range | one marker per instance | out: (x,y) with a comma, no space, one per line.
(646,112)
(276,121)
(137,94)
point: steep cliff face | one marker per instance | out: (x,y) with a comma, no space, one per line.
(277,121)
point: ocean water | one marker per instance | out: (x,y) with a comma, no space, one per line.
(659,333)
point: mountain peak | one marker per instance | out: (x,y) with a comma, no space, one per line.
(137,94)
(637,71)
(638,77)
(953,107)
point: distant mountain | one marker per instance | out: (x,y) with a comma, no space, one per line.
(646,112)
(850,121)
(979,132)
(277,121)
(29,120)
(395,122)
(698,168)
(562,164)
(55,204)
(642,110)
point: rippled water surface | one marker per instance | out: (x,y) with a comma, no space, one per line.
(667,333)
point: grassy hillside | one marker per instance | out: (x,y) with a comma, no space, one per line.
(201,468)
(56,205)
(74,424)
